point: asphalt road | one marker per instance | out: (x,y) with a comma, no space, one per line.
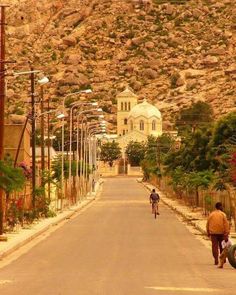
(116,247)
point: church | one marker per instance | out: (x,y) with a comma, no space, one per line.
(136,121)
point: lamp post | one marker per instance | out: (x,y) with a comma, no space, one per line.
(2,100)
(93,151)
(85,155)
(63,137)
(79,155)
(32,73)
(42,82)
(76,105)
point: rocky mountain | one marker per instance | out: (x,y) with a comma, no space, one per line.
(171,52)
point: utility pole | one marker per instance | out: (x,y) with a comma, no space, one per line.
(49,147)
(42,137)
(33,137)
(2,102)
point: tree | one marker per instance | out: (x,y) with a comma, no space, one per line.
(56,169)
(110,151)
(222,144)
(197,115)
(202,179)
(233,168)
(178,181)
(11,178)
(194,153)
(225,130)
(156,150)
(135,152)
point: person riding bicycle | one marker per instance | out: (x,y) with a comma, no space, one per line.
(154,199)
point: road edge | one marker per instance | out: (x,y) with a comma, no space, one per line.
(58,219)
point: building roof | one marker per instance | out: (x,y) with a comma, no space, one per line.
(146,110)
(127,93)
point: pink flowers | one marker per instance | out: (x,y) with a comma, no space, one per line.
(26,169)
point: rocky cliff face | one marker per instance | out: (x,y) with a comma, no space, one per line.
(171,53)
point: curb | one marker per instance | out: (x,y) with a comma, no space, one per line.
(22,243)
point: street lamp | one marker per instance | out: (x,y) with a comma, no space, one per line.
(43,81)
(63,137)
(32,73)
(85,157)
(93,152)
(89,129)
(74,105)
(79,156)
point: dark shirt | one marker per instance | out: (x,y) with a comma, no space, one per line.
(154,197)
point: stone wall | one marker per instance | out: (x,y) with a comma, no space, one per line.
(134,171)
(11,140)
(105,170)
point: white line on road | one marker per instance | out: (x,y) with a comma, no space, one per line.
(183,289)
(3,282)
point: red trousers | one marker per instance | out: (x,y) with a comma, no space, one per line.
(216,245)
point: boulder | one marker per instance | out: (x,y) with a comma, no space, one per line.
(217,51)
(150,74)
(169,9)
(72,59)
(149,45)
(122,55)
(73,20)
(69,41)
(137,41)
(210,60)
(231,70)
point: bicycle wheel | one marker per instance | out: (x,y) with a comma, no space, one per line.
(155,210)
(232,255)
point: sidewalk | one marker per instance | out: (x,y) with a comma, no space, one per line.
(25,235)
(195,218)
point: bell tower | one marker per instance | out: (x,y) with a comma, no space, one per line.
(126,100)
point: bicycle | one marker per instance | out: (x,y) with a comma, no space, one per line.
(155,209)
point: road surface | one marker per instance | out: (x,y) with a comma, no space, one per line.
(116,247)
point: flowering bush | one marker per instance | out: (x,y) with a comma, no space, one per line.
(26,170)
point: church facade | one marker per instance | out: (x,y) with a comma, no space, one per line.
(136,121)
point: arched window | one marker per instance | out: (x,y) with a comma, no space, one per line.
(131,125)
(122,106)
(141,125)
(129,106)
(153,125)
(125,106)
(125,121)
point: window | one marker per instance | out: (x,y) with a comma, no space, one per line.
(129,106)
(125,121)
(123,132)
(153,125)
(131,125)
(122,106)
(125,106)
(141,125)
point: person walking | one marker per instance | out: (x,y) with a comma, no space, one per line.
(217,229)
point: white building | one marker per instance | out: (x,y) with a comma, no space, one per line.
(136,121)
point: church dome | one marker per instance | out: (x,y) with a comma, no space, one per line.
(146,110)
